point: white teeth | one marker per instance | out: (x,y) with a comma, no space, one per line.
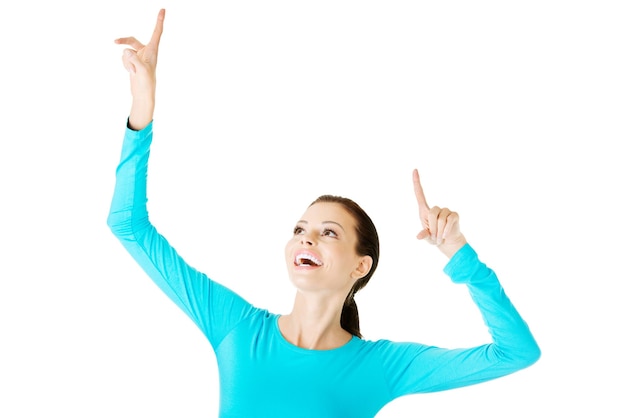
(309,257)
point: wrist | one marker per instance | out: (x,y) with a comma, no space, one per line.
(449,248)
(141,113)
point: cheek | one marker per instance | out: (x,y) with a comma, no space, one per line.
(350,260)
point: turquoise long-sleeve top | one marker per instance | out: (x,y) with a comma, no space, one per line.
(261,374)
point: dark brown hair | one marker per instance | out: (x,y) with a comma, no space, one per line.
(367,244)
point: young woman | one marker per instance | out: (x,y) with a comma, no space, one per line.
(312,362)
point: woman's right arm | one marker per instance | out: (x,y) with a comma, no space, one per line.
(214,308)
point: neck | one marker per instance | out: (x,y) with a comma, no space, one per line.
(315,322)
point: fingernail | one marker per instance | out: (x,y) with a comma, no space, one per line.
(127,52)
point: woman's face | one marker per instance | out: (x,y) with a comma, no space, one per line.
(321,255)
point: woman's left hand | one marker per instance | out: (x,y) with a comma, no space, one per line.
(441,225)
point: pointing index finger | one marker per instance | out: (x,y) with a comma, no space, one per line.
(158,29)
(419,192)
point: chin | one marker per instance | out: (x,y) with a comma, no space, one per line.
(306,282)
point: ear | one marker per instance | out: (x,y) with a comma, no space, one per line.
(364,266)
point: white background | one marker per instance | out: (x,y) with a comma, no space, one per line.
(512,111)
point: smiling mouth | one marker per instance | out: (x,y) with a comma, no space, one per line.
(306,259)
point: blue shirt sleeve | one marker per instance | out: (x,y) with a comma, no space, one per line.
(214,308)
(414,368)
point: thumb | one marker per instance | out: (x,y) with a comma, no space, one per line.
(424,233)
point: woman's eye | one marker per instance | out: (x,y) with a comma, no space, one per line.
(329,233)
(297,230)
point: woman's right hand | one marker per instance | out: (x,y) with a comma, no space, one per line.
(140,61)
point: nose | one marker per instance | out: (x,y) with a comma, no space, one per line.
(307,239)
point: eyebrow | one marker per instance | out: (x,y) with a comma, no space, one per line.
(302,221)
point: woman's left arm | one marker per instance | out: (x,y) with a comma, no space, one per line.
(512,340)
(420,368)
(511,337)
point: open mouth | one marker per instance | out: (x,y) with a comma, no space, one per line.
(307,259)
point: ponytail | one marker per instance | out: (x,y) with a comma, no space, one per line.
(350,313)
(350,316)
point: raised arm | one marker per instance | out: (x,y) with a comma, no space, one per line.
(214,308)
(416,367)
